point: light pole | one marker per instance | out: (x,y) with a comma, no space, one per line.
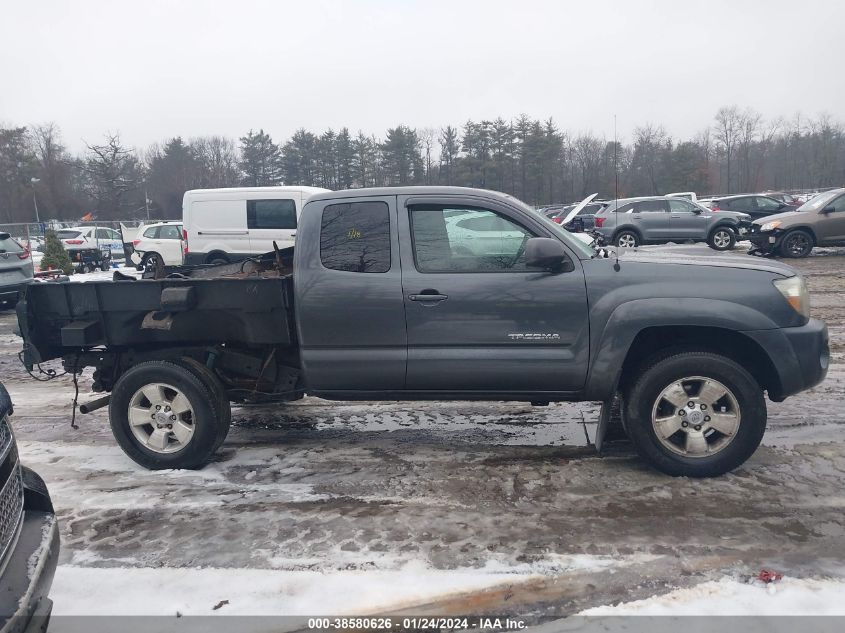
(34,181)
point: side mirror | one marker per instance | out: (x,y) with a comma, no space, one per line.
(548,254)
(829,209)
(697,211)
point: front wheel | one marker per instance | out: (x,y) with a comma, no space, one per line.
(695,414)
(164,416)
(797,243)
(722,239)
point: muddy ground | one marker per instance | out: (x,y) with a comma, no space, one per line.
(504,486)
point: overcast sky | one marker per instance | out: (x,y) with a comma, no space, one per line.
(156,69)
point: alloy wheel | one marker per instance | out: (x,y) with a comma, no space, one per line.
(696,416)
(161,418)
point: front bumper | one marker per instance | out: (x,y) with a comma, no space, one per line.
(27,572)
(800,356)
(767,242)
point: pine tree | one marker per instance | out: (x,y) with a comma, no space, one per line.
(261,160)
(55,255)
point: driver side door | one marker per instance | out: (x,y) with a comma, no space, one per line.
(478,319)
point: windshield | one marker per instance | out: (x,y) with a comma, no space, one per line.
(820,201)
(578,246)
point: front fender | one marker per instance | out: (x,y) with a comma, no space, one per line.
(611,343)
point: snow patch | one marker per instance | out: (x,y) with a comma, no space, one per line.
(728,596)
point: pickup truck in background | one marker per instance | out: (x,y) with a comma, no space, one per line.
(424,293)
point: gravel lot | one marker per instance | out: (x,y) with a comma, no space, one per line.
(512,499)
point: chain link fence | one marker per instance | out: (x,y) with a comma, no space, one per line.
(31,235)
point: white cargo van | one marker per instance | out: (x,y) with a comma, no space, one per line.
(224,225)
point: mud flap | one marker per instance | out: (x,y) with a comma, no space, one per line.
(604,422)
(611,426)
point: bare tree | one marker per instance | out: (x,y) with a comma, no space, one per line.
(727,131)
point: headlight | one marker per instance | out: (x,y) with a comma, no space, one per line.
(770,226)
(794,290)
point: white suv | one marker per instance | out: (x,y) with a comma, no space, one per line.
(159,244)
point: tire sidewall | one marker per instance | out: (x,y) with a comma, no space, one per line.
(198,450)
(642,397)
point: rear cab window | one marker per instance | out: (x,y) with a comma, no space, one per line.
(355,237)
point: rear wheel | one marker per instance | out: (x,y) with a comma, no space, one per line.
(627,239)
(722,239)
(797,243)
(217,258)
(221,400)
(695,414)
(164,416)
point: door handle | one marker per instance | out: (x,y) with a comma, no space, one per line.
(428,297)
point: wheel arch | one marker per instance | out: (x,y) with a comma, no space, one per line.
(633,331)
(628,228)
(802,227)
(732,344)
(217,253)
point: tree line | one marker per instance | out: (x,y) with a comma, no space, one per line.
(531,159)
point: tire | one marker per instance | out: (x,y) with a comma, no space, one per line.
(217,258)
(797,243)
(104,266)
(681,452)
(722,238)
(631,239)
(199,423)
(221,401)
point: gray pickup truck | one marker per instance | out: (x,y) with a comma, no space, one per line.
(440,293)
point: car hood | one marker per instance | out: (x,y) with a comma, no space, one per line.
(786,216)
(745,262)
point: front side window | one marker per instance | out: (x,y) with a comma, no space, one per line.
(271,214)
(466,240)
(679,206)
(355,237)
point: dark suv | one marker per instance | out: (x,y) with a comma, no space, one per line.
(756,205)
(29,537)
(660,219)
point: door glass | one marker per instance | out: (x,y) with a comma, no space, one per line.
(679,206)
(466,240)
(767,204)
(151,233)
(652,206)
(271,214)
(355,237)
(170,233)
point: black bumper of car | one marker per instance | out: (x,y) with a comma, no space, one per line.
(10,292)
(800,356)
(29,566)
(767,242)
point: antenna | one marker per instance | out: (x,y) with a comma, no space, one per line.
(616,266)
